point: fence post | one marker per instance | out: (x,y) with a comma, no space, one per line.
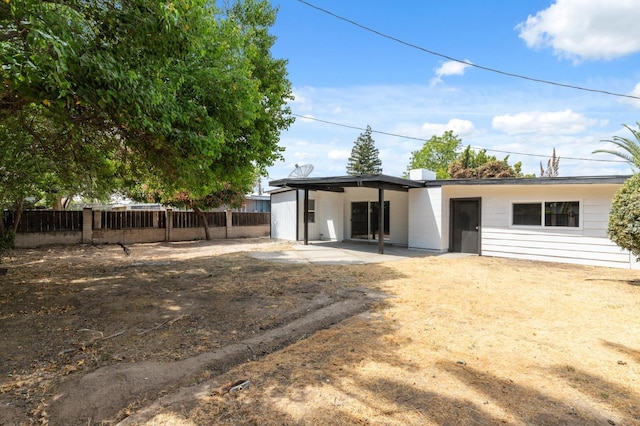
(229,222)
(97,220)
(87,225)
(155,220)
(168,224)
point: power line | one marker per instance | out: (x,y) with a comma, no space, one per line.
(333,123)
(485,68)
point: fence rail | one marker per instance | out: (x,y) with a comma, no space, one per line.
(127,219)
(250,219)
(45,220)
(71,220)
(193,220)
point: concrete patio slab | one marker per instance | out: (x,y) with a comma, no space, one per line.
(344,253)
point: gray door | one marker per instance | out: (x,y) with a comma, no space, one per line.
(464,235)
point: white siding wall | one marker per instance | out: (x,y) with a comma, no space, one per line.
(398,212)
(330,215)
(313,227)
(425,219)
(283,215)
(588,244)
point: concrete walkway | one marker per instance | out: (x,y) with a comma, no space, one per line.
(344,253)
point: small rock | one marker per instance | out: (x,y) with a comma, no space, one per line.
(461,362)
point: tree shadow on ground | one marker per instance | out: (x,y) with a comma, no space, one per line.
(625,350)
(431,406)
(623,399)
(635,283)
(528,404)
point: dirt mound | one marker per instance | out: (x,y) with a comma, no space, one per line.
(101,394)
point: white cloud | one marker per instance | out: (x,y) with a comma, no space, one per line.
(585,29)
(452,68)
(458,126)
(304,156)
(559,122)
(634,92)
(298,98)
(336,154)
(449,68)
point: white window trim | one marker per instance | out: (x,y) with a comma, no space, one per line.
(542,202)
(312,210)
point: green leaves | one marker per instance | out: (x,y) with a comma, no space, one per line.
(624,217)
(184,95)
(630,148)
(436,154)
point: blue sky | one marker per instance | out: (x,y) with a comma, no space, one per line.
(347,75)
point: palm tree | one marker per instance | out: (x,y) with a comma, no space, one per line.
(630,147)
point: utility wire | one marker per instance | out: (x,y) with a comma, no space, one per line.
(494,70)
(474,147)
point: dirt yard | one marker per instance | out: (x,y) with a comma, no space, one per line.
(201,333)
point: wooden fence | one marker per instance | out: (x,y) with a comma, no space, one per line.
(250,219)
(45,220)
(40,227)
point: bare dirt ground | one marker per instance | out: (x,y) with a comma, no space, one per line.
(89,336)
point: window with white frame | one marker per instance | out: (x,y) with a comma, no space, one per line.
(547,214)
(312,211)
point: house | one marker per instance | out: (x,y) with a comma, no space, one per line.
(561,219)
(257,203)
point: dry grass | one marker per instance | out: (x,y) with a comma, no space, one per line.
(458,341)
(467,341)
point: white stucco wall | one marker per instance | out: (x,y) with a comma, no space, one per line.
(333,214)
(586,244)
(329,216)
(283,215)
(425,219)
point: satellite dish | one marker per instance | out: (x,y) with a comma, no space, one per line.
(301,171)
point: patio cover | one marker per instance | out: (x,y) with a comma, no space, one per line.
(338,183)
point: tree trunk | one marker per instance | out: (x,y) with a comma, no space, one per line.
(203,218)
(19,208)
(62,203)
(3,231)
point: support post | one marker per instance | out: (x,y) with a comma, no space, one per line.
(381,220)
(168,224)
(229,222)
(306,216)
(87,225)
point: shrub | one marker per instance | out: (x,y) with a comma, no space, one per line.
(624,218)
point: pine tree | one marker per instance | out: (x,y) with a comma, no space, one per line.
(364,159)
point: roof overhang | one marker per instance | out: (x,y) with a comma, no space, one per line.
(563,180)
(339,183)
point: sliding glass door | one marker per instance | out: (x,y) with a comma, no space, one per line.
(364,220)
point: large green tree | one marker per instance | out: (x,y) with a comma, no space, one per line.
(437,154)
(364,159)
(181,95)
(472,164)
